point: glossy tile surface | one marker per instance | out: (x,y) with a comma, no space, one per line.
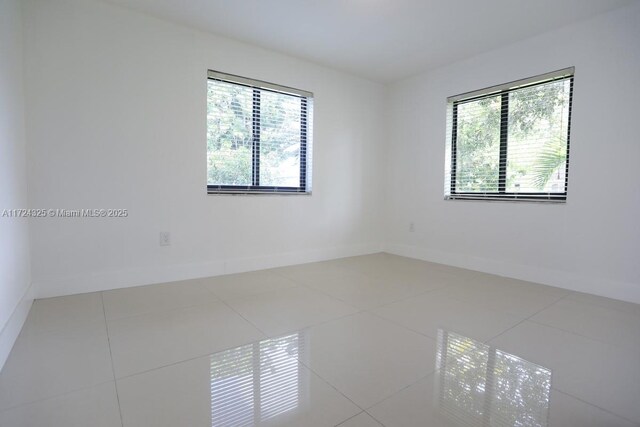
(616,305)
(429,312)
(153,340)
(127,302)
(363,283)
(419,406)
(96,407)
(601,323)
(361,420)
(514,297)
(262,383)
(475,385)
(369,358)
(52,363)
(362,291)
(245,284)
(366,341)
(64,313)
(603,375)
(287,310)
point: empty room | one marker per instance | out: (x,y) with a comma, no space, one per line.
(354,213)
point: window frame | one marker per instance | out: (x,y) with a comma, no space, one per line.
(258,86)
(504,90)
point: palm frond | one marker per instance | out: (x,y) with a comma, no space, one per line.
(552,156)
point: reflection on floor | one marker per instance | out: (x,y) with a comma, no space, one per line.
(479,385)
(253,383)
(356,342)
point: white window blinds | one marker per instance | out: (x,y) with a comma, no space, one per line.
(259,136)
(511,142)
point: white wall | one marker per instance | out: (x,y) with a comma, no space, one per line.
(116,106)
(591,243)
(15,280)
(116,119)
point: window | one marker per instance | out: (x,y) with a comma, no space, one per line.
(511,141)
(258,136)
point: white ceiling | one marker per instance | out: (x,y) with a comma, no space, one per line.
(383,40)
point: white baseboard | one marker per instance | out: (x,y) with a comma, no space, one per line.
(12,328)
(625,291)
(159,274)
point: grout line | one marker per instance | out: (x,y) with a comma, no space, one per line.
(594,340)
(296,283)
(537,322)
(113,369)
(372,312)
(422,378)
(591,404)
(383,304)
(400,325)
(55,396)
(350,418)
(266,336)
(295,329)
(299,358)
(421,293)
(496,310)
(250,294)
(313,325)
(527,318)
(245,319)
(190,359)
(358,414)
(329,384)
(166,310)
(374,418)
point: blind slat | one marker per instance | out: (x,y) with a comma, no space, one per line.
(512,142)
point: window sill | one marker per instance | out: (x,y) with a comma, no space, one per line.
(523,199)
(256,193)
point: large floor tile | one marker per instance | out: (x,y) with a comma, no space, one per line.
(359,342)
(514,297)
(364,292)
(601,374)
(392,269)
(95,407)
(361,420)
(612,304)
(154,298)
(474,384)
(51,363)
(368,358)
(299,273)
(140,343)
(429,312)
(64,313)
(289,309)
(260,383)
(567,411)
(422,404)
(244,284)
(479,384)
(620,328)
(410,274)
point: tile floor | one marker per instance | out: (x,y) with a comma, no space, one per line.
(377,340)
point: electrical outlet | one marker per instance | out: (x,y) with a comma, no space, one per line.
(412,227)
(165,238)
